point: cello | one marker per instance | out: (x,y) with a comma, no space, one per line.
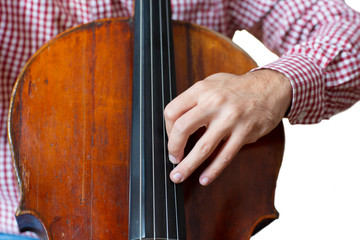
(88,139)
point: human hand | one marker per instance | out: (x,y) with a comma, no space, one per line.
(236,109)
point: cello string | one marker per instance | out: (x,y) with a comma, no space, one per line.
(168,21)
(140,113)
(152,116)
(163,122)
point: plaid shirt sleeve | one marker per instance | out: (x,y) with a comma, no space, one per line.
(318,41)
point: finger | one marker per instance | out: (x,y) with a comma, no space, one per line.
(230,148)
(183,127)
(201,151)
(180,105)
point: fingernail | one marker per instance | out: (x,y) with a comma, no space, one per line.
(204,181)
(173,160)
(177,177)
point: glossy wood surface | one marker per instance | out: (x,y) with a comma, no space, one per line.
(69,130)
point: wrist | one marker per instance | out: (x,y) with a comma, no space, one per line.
(277,88)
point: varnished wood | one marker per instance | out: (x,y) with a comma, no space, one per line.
(69,128)
(240,201)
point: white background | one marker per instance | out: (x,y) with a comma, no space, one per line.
(318,189)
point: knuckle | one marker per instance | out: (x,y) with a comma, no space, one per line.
(205,148)
(216,75)
(171,148)
(175,149)
(248,135)
(226,159)
(216,170)
(251,140)
(190,169)
(217,99)
(272,120)
(199,86)
(180,126)
(255,131)
(186,169)
(169,113)
(232,113)
(243,133)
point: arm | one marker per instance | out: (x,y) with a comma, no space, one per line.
(320,54)
(318,72)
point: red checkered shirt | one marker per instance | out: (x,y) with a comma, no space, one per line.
(318,41)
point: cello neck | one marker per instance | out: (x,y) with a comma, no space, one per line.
(156,203)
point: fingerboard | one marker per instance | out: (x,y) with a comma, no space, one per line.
(156,203)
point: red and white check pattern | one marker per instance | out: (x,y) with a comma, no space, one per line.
(318,41)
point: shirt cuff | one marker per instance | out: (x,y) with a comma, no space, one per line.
(308,87)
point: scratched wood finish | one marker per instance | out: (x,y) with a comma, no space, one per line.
(69,130)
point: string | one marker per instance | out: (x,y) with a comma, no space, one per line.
(152,116)
(152,72)
(168,22)
(163,106)
(141,119)
(140,132)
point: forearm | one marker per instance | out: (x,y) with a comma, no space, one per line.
(319,49)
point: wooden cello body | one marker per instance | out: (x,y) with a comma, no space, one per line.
(69,131)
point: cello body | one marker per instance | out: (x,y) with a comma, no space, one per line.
(69,130)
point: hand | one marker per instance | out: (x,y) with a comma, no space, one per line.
(236,109)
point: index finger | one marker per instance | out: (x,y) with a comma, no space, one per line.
(178,106)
